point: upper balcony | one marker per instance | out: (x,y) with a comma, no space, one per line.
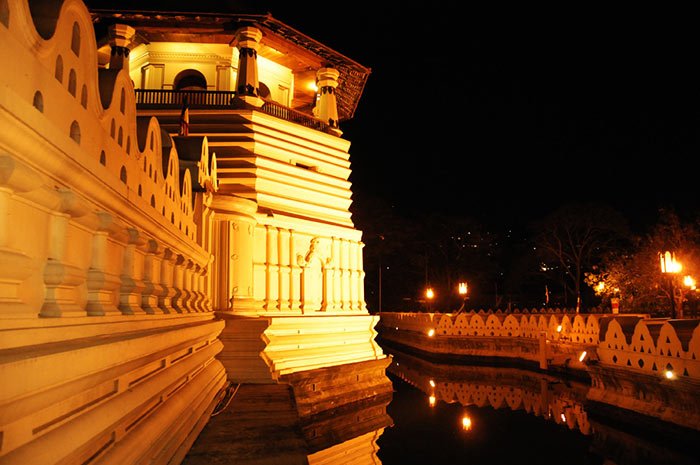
(162,48)
(157,99)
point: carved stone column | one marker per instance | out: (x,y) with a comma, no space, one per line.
(179,295)
(337,274)
(165,298)
(15,265)
(284,270)
(247,40)
(132,286)
(151,278)
(345,272)
(327,106)
(294,276)
(271,268)
(101,283)
(62,279)
(361,304)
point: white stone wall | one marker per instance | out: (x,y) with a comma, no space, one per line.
(109,343)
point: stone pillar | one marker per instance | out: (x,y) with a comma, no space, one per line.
(294,276)
(361,304)
(15,265)
(345,273)
(101,283)
(327,110)
(337,274)
(247,40)
(179,296)
(284,269)
(62,279)
(151,279)
(132,286)
(271,268)
(120,36)
(165,299)
(352,260)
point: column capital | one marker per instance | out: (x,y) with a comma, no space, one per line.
(247,37)
(120,36)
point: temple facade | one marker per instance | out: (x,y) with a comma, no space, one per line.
(174,224)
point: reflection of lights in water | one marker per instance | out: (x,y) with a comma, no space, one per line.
(559,329)
(466,423)
(563,418)
(431,401)
(432,383)
(670,374)
(582,356)
(431,332)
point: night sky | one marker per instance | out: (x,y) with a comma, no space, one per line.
(503,116)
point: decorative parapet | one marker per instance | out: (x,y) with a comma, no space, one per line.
(576,328)
(96,209)
(668,348)
(662,347)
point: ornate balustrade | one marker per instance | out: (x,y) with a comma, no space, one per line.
(149,99)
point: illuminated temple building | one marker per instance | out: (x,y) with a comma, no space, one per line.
(148,265)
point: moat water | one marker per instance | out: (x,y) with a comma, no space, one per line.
(495,415)
(444,414)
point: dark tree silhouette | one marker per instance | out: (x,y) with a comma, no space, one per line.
(576,237)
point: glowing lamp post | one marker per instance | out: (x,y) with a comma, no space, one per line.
(462,290)
(429,295)
(670,267)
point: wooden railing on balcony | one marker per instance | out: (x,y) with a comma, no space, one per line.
(149,99)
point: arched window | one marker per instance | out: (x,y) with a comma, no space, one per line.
(122,101)
(4,13)
(264,90)
(75,40)
(190,79)
(122,175)
(72,84)
(103,158)
(38,101)
(59,69)
(75,131)
(83,96)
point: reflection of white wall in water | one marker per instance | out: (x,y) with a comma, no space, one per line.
(552,406)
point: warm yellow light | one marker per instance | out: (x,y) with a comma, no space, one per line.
(431,332)
(582,357)
(563,418)
(432,383)
(559,329)
(689,282)
(600,287)
(431,401)
(670,374)
(669,264)
(429,293)
(312,86)
(462,288)
(466,423)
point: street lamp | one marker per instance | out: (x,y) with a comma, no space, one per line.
(670,267)
(430,295)
(462,289)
